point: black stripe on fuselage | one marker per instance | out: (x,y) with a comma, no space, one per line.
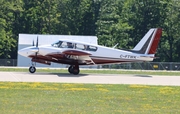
(145,46)
(109,58)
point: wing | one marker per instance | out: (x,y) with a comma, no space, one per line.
(83,57)
(76,52)
(65,57)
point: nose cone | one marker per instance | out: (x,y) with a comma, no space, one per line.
(27,51)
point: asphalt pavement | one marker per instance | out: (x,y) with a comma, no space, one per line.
(90,78)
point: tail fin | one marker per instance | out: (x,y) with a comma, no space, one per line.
(149,42)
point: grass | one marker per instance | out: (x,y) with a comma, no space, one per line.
(56,98)
(62,98)
(97,71)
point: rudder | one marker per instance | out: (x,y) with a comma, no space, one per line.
(149,42)
(155,41)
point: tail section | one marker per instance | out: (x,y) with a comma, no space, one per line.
(149,42)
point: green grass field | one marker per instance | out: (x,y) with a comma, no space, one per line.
(56,98)
(62,98)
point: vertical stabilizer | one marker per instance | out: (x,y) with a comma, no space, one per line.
(149,42)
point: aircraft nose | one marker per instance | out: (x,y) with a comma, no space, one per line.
(23,52)
(28,51)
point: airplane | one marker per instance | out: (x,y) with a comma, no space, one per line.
(76,53)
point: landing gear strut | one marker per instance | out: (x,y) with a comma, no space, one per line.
(74,69)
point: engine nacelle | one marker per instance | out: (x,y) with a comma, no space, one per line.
(41,61)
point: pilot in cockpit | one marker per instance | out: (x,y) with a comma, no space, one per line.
(69,45)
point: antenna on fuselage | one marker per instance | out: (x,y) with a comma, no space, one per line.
(116,45)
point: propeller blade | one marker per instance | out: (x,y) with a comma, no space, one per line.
(37,42)
(33,43)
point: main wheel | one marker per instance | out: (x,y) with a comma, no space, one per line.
(70,69)
(32,69)
(75,71)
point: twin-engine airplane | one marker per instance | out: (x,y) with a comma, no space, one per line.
(77,53)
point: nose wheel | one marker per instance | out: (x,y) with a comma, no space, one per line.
(32,69)
(74,69)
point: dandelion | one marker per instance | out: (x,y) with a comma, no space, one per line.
(139,86)
(78,89)
(35,85)
(67,85)
(4,87)
(99,85)
(147,106)
(103,90)
(167,90)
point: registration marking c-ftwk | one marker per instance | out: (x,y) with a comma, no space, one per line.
(128,56)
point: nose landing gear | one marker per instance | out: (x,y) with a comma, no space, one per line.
(32,69)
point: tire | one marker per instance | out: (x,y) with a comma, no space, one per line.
(70,69)
(32,69)
(75,71)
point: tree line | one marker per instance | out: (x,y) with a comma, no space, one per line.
(112,21)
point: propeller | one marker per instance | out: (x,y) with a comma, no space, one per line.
(35,49)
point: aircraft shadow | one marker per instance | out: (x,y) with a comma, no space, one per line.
(58,74)
(146,76)
(69,75)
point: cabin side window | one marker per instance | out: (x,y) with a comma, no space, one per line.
(61,44)
(85,47)
(91,48)
(80,46)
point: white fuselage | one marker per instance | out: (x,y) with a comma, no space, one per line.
(102,55)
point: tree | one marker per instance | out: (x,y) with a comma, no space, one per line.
(8,40)
(107,21)
(40,17)
(77,17)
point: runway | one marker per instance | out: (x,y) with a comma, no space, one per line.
(90,78)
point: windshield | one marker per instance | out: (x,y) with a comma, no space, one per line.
(57,44)
(61,44)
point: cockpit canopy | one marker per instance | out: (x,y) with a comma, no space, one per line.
(64,44)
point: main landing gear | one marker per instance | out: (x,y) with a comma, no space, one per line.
(74,69)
